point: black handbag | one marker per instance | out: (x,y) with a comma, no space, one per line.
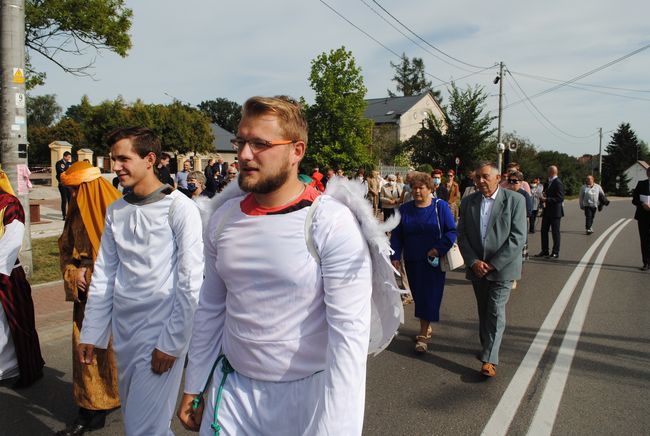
(602,201)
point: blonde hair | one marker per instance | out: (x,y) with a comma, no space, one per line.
(290,113)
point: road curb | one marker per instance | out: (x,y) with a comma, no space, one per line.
(46,284)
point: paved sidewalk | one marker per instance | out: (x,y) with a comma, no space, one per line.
(51,223)
(53,313)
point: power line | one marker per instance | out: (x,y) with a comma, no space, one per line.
(373,38)
(549,79)
(582,76)
(527,98)
(425,41)
(465,76)
(581,87)
(411,39)
(534,115)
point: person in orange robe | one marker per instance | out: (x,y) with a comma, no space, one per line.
(94,386)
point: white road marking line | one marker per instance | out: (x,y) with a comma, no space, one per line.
(546,413)
(507,408)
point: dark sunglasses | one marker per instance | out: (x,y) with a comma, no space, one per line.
(513,181)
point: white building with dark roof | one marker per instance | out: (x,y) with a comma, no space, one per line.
(400,118)
(636,173)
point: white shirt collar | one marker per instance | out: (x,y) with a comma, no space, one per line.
(494,194)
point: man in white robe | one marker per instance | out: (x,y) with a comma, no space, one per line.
(291,326)
(145,285)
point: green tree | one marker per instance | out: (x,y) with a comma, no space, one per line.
(410,78)
(571,171)
(41,136)
(525,156)
(223,112)
(339,134)
(181,128)
(58,28)
(42,110)
(464,135)
(622,151)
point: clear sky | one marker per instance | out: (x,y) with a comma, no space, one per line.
(196,50)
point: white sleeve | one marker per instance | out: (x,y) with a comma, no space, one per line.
(347,279)
(185,221)
(209,320)
(96,328)
(10,244)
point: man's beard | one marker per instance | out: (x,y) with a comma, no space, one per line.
(266,184)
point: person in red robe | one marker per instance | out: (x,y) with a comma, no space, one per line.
(20,350)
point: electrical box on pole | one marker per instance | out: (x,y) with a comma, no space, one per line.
(13,113)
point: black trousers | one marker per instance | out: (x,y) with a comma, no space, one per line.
(388,212)
(532,220)
(553,224)
(644,235)
(590,213)
(65,198)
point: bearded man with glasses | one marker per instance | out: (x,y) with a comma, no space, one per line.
(281,333)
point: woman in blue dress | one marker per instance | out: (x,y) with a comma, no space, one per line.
(426,232)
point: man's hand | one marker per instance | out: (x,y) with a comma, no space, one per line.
(82,285)
(480,268)
(396,264)
(161,362)
(190,418)
(86,353)
(646,206)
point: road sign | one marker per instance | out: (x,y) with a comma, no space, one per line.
(19,77)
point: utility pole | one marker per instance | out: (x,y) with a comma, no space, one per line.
(600,155)
(13,115)
(500,149)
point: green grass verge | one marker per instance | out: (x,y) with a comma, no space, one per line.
(45,258)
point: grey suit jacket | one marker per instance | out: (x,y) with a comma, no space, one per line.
(505,237)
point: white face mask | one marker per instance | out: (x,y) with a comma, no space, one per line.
(533,185)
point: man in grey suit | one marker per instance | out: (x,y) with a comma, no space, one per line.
(491,236)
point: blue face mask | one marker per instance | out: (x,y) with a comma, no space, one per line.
(191,187)
(436,180)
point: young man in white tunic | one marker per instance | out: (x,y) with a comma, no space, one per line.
(293,331)
(145,285)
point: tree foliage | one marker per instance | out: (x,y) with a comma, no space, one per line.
(526,155)
(622,151)
(42,110)
(40,137)
(58,28)
(410,77)
(571,171)
(339,134)
(223,112)
(465,134)
(181,128)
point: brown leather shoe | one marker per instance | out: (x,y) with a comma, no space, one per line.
(488,369)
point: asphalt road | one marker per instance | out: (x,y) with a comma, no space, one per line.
(575,358)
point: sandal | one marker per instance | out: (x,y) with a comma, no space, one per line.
(420,344)
(427,337)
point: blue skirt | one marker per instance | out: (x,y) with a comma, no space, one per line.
(426,283)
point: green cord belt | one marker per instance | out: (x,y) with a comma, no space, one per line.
(226,369)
